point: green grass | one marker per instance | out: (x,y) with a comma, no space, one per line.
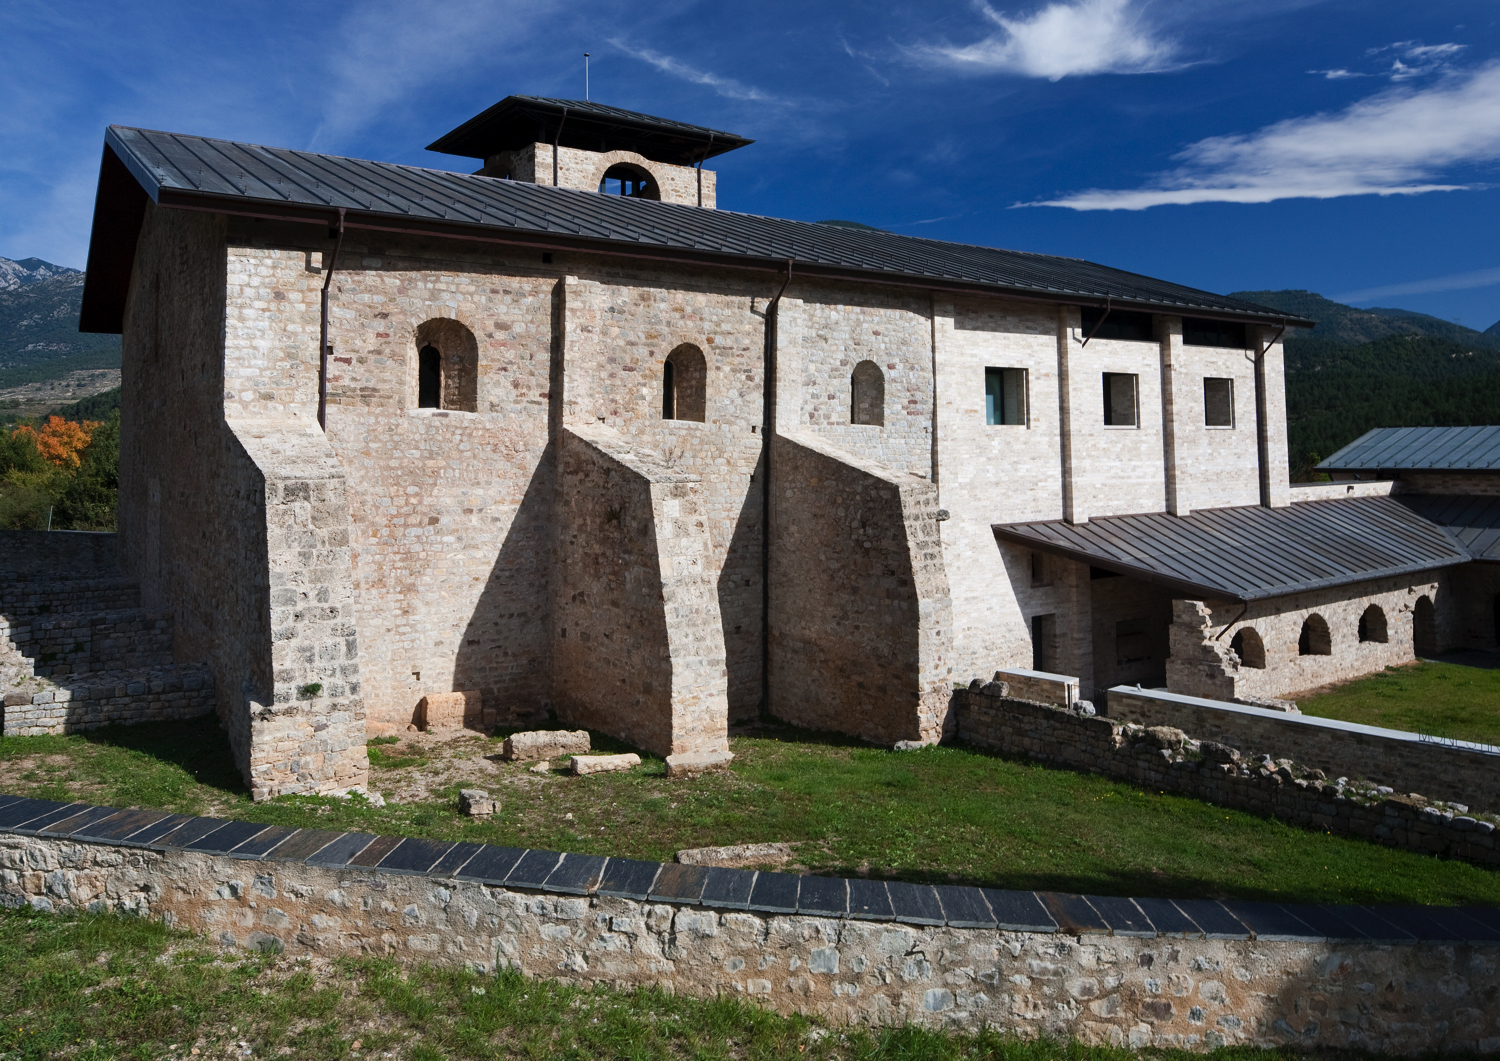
(92,987)
(940,814)
(1445,699)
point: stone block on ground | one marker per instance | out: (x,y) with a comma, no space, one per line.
(604,764)
(543,767)
(444,712)
(476,803)
(692,764)
(737,855)
(546,744)
(910,745)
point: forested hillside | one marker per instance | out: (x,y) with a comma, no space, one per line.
(39,336)
(1378,368)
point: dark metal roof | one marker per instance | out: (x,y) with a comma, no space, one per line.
(1252,553)
(1472,449)
(1473,521)
(201,173)
(520,120)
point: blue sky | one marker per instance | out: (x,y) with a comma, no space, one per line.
(1351,147)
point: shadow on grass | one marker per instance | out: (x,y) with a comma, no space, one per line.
(197,747)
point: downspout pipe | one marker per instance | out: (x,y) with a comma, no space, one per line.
(336,229)
(768,421)
(1262,440)
(706,152)
(556,143)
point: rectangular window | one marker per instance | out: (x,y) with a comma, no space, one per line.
(1043,651)
(1118,324)
(1218,402)
(1039,572)
(1119,400)
(1005,395)
(1199,332)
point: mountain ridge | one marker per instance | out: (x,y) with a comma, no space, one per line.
(1347,324)
(39,336)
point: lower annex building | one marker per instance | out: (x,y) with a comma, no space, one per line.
(562,433)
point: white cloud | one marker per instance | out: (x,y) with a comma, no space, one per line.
(724,86)
(1337,75)
(1454,282)
(1398,142)
(1065,38)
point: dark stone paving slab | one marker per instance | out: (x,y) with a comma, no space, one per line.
(823,897)
(38,822)
(628,878)
(1167,919)
(119,825)
(533,869)
(18,813)
(1074,913)
(965,907)
(728,889)
(416,857)
(82,820)
(868,900)
(303,844)
(775,893)
(1019,911)
(370,855)
(916,904)
(576,874)
(491,865)
(1371,926)
(1326,922)
(263,843)
(188,831)
(1215,921)
(456,859)
(1427,923)
(1122,916)
(1270,921)
(224,840)
(337,853)
(147,835)
(1484,915)
(679,884)
(1464,924)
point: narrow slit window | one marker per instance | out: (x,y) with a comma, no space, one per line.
(1218,402)
(1119,399)
(668,392)
(1005,396)
(429,378)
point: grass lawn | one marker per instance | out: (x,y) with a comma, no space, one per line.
(1444,698)
(93,987)
(940,814)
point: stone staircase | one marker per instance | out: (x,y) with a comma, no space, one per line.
(81,653)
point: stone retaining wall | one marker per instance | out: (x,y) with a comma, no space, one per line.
(25,599)
(1161,758)
(82,554)
(1408,762)
(1189,973)
(77,644)
(156,694)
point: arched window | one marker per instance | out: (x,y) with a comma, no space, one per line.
(684,385)
(867,397)
(633,181)
(1315,639)
(1247,645)
(1424,627)
(447,366)
(1372,625)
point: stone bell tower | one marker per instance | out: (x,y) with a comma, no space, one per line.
(569,143)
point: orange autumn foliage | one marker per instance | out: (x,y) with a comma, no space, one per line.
(60,441)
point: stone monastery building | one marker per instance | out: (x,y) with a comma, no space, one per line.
(562,434)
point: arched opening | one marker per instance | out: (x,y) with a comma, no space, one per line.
(867,397)
(684,385)
(447,366)
(1315,639)
(1372,625)
(633,181)
(1424,627)
(429,378)
(1247,645)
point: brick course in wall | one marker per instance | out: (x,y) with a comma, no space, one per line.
(1147,972)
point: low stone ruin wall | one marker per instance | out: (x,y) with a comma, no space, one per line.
(22,600)
(1407,762)
(1164,757)
(73,554)
(1190,973)
(88,701)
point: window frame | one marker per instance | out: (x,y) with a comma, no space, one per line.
(1023,392)
(1135,395)
(1232,418)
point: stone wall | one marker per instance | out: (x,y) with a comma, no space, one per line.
(861,623)
(1202,632)
(1482,484)
(639,650)
(583,170)
(88,701)
(1410,762)
(73,554)
(1099,969)
(1340,489)
(1165,757)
